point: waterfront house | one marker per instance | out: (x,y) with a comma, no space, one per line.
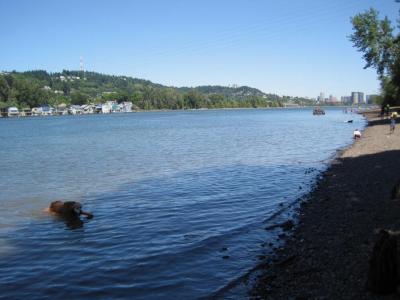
(61,110)
(47,110)
(98,109)
(36,111)
(26,112)
(107,107)
(75,110)
(113,105)
(88,109)
(126,106)
(116,108)
(3,112)
(13,112)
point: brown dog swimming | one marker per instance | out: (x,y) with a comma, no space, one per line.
(68,209)
(70,212)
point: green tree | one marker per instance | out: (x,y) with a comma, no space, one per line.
(193,99)
(375,38)
(78,98)
(4,89)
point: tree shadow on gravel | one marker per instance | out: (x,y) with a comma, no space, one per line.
(329,251)
(385,121)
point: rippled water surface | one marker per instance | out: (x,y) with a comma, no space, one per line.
(180,199)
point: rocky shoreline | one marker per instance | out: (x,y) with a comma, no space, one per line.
(327,255)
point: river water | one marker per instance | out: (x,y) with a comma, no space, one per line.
(180,199)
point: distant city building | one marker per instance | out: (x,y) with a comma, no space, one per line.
(346,99)
(361,98)
(357,98)
(332,99)
(354,97)
(321,97)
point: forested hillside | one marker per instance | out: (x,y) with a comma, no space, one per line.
(35,88)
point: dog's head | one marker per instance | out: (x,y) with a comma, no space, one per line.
(72,208)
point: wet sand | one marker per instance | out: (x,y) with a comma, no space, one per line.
(327,254)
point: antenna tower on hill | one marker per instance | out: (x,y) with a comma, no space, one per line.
(82,67)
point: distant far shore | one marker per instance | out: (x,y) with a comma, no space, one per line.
(76,110)
(327,254)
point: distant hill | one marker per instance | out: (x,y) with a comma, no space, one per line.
(235,92)
(35,88)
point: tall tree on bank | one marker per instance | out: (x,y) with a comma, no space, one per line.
(381,47)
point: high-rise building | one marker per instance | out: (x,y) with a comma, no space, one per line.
(346,99)
(357,98)
(354,98)
(361,98)
(333,99)
(321,97)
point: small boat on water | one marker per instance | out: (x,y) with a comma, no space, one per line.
(318,111)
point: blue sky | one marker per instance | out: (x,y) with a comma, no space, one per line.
(296,48)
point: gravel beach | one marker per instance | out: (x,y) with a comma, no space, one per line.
(327,254)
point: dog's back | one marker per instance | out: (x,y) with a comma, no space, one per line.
(56,207)
(65,209)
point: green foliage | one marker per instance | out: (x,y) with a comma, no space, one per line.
(375,38)
(35,88)
(378,100)
(78,98)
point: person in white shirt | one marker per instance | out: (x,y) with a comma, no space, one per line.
(357,134)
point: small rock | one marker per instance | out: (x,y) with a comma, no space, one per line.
(288,225)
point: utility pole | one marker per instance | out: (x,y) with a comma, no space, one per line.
(82,68)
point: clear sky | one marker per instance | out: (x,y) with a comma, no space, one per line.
(287,47)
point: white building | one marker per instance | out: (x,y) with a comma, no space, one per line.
(88,109)
(75,110)
(106,108)
(13,111)
(47,110)
(321,97)
(357,98)
(126,107)
(36,111)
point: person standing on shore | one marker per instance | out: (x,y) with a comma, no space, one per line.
(387,110)
(393,122)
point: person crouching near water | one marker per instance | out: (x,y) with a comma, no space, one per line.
(357,134)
